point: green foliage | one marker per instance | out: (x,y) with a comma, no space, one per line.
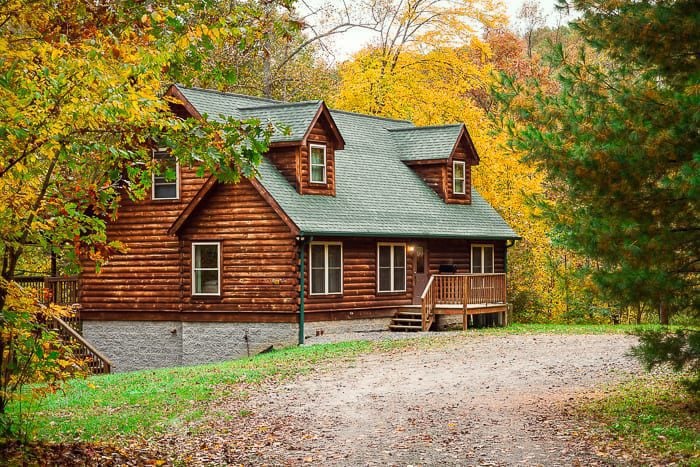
(30,353)
(680,350)
(652,413)
(619,147)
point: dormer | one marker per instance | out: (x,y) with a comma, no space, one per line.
(303,145)
(442,156)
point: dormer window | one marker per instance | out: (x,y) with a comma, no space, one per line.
(165,183)
(317,163)
(459,178)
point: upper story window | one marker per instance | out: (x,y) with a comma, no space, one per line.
(459,178)
(165,183)
(326,263)
(206,268)
(391,267)
(317,163)
(482,259)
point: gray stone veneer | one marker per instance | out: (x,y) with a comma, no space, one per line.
(138,345)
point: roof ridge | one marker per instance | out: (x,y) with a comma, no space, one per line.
(429,127)
(377,117)
(280,105)
(226,93)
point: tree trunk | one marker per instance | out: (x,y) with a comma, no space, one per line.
(663,314)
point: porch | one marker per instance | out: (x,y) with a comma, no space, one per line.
(455,294)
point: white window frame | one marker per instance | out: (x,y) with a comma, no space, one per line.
(312,165)
(391,259)
(455,179)
(493,257)
(218,269)
(326,269)
(177,179)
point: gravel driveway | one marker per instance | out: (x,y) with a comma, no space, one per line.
(478,400)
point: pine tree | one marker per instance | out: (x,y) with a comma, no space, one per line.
(619,143)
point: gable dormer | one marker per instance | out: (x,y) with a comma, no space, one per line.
(442,156)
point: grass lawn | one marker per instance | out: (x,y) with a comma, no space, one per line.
(145,402)
(650,414)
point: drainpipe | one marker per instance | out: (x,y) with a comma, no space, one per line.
(302,254)
(509,243)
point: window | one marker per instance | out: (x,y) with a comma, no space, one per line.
(165,182)
(459,178)
(482,259)
(317,163)
(326,260)
(391,267)
(206,268)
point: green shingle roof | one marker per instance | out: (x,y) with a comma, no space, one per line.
(296,118)
(427,142)
(376,193)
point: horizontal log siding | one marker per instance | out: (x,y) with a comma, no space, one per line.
(434,176)
(286,159)
(359,279)
(258,253)
(320,134)
(147,277)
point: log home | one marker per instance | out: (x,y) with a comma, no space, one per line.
(354,222)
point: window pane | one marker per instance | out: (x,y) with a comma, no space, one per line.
(318,173)
(459,171)
(399,278)
(399,256)
(335,279)
(384,256)
(420,259)
(476,260)
(317,156)
(318,280)
(459,186)
(334,256)
(317,256)
(168,190)
(488,259)
(207,282)
(384,279)
(206,256)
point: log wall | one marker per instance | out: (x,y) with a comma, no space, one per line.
(319,134)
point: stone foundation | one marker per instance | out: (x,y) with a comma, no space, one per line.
(139,345)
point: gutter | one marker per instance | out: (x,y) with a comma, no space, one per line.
(409,235)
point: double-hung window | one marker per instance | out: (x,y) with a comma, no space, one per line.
(206,268)
(391,267)
(317,163)
(326,262)
(459,178)
(165,179)
(482,259)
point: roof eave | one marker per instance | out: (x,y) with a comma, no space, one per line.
(305,233)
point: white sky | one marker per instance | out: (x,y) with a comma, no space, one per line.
(345,44)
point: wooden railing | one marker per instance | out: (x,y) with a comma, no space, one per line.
(58,290)
(95,361)
(427,305)
(463,290)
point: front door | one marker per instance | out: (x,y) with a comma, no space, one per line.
(420,271)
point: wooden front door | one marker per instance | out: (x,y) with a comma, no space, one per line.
(420,271)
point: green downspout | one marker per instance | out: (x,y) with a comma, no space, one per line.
(302,254)
(301,294)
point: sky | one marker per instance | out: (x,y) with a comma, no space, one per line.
(345,45)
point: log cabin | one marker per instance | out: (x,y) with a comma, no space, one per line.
(354,222)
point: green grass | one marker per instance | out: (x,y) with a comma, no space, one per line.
(147,402)
(651,414)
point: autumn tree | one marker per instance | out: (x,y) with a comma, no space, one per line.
(620,141)
(81,88)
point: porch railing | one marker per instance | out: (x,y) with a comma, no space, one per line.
(463,290)
(58,290)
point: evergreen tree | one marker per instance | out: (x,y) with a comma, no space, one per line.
(619,143)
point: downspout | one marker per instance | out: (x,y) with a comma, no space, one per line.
(302,254)
(509,243)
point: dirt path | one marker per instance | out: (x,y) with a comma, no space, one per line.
(483,400)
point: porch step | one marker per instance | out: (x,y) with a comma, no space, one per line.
(407,321)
